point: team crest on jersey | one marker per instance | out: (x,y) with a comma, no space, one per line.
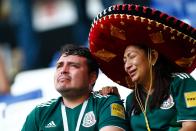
(167,104)
(89,119)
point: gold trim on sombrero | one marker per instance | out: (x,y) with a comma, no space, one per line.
(192,50)
(157,37)
(130,24)
(165,27)
(142,19)
(105,55)
(149,21)
(122,23)
(115,16)
(158,24)
(185,36)
(149,28)
(172,30)
(179,33)
(101,25)
(185,62)
(173,37)
(137,18)
(117,32)
(190,39)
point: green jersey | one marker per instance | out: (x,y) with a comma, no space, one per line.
(100,111)
(180,106)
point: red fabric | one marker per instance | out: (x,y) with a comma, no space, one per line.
(111,35)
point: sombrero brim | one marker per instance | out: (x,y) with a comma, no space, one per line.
(121,25)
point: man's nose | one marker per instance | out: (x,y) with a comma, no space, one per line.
(65,69)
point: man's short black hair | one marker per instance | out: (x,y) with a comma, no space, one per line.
(74,49)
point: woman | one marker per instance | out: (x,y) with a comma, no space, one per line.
(153,53)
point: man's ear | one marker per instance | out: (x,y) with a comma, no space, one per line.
(93,78)
(154,56)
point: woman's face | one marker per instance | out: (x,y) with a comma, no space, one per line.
(136,64)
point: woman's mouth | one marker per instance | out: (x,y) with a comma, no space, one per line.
(132,73)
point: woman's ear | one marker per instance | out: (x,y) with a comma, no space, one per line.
(154,56)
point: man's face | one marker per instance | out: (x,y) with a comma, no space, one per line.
(72,78)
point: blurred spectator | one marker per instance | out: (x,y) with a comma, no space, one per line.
(21,19)
(7,39)
(17,31)
(81,28)
(4,82)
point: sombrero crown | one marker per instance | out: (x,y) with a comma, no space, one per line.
(121,25)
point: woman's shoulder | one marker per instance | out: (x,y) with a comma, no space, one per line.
(179,78)
(182,82)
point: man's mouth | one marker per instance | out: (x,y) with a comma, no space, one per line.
(64,78)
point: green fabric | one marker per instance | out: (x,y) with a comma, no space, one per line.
(166,119)
(72,115)
(47,116)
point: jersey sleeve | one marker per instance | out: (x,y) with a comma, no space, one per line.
(31,122)
(183,90)
(112,112)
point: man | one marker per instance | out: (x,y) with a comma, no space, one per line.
(79,108)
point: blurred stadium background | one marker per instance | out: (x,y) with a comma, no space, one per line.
(31,34)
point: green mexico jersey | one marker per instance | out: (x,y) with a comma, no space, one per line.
(180,106)
(100,111)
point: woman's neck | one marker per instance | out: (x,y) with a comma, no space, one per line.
(148,84)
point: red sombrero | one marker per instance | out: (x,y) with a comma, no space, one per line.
(122,25)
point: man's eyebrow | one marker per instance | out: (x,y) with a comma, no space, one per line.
(73,62)
(69,62)
(59,63)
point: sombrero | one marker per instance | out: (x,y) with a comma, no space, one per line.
(121,25)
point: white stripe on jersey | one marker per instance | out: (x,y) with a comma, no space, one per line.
(98,95)
(48,103)
(181,75)
(185,75)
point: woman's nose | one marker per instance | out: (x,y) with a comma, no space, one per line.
(127,65)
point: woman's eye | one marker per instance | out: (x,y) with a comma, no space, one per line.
(132,56)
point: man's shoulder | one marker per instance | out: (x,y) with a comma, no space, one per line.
(101,98)
(97,95)
(48,104)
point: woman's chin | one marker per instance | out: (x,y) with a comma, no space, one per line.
(134,79)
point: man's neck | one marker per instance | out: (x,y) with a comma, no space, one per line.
(71,103)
